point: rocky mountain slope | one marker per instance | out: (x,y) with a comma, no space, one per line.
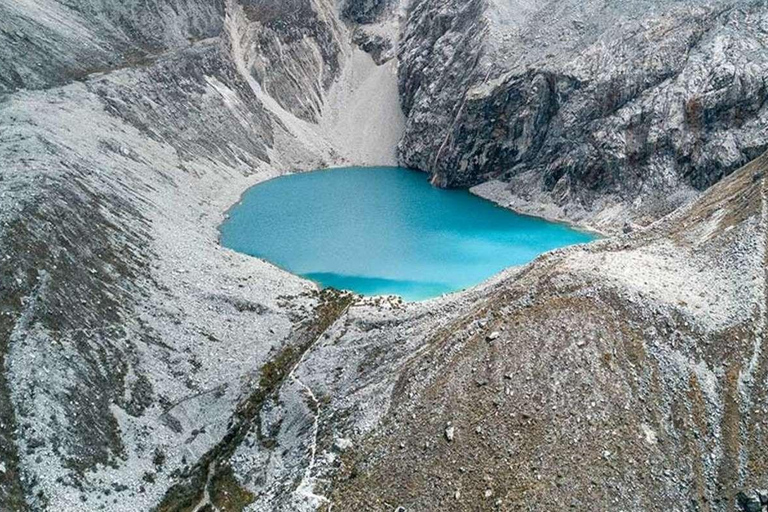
(599,112)
(128,336)
(143,367)
(627,374)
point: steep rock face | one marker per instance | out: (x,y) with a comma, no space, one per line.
(377,46)
(297,41)
(293,50)
(585,105)
(376,25)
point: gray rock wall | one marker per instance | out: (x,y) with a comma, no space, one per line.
(589,100)
(293,51)
(365,11)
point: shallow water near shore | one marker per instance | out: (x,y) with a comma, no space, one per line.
(385,230)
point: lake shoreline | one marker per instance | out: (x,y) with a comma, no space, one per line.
(407,237)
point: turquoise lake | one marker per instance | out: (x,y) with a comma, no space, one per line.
(385,230)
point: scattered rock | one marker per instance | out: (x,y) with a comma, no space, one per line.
(449,433)
(378,47)
(749,502)
(342,444)
(493,336)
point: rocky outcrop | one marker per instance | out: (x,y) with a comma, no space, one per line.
(587,106)
(293,50)
(365,11)
(379,47)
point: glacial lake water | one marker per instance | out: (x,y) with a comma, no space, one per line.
(385,230)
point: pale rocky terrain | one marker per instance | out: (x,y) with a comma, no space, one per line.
(144,367)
